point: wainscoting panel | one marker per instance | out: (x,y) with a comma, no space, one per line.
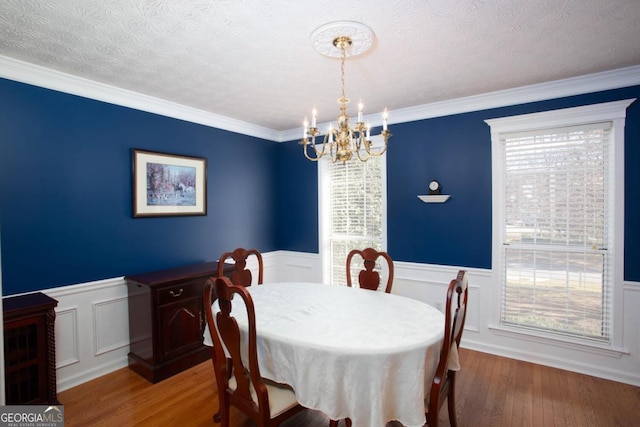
(67,337)
(270,261)
(299,267)
(425,291)
(111,322)
(92,332)
(472,323)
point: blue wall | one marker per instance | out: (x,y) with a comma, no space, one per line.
(65,191)
(455,150)
(297,201)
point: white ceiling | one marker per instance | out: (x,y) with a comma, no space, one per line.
(253,61)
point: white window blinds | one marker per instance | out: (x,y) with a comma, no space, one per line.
(556,231)
(355,210)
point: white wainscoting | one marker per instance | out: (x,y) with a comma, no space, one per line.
(92,331)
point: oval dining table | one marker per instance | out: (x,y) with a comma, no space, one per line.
(348,352)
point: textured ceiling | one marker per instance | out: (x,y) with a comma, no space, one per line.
(254,61)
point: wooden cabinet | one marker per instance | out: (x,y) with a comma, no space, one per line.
(167,320)
(30,349)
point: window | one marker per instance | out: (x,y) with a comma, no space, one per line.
(353,211)
(558,219)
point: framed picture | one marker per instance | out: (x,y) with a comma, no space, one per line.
(168,184)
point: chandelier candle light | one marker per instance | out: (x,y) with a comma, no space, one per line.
(342,142)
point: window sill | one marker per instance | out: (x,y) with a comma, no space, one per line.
(559,341)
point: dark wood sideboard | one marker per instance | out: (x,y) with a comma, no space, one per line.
(30,349)
(167,320)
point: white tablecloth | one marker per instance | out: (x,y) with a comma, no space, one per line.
(348,352)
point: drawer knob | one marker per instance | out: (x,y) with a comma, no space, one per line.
(176,294)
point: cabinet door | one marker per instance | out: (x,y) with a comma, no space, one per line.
(25,361)
(181,327)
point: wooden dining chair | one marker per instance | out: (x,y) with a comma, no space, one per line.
(444,381)
(267,403)
(241,275)
(368,278)
(216,356)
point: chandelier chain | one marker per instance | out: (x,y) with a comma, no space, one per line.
(343,57)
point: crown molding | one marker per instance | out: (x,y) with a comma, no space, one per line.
(24,72)
(36,75)
(605,80)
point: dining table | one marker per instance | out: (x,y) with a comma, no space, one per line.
(351,353)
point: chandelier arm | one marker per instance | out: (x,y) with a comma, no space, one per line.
(315,147)
(326,141)
(313,159)
(385,136)
(374,154)
(362,159)
(333,151)
(306,153)
(318,153)
(359,142)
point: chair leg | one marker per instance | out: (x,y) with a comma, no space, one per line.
(348,422)
(432,419)
(333,423)
(224,418)
(451,400)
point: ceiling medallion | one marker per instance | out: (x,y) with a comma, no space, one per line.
(323,38)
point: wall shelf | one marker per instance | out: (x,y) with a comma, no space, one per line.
(435,198)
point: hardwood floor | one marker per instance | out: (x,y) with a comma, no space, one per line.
(491,391)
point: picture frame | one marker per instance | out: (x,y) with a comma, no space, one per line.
(167,184)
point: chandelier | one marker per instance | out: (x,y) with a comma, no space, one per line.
(343,142)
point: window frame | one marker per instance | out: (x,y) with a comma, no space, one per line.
(324,207)
(614,112)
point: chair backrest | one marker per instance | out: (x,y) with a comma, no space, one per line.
(457,295)
(454,317)
(241,275)
(243,386)
(368,278)
(221,365)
